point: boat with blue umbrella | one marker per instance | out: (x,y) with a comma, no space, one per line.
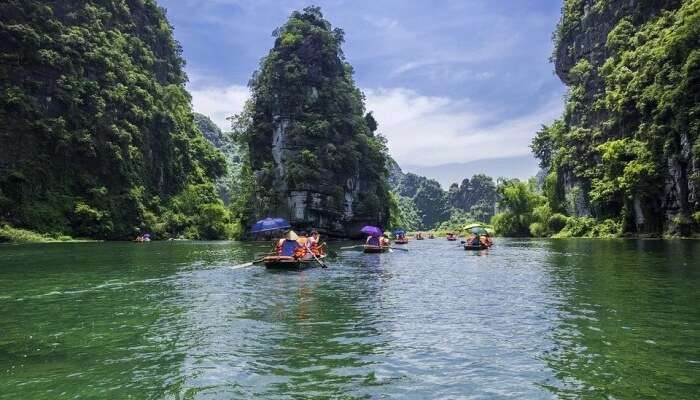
(400,235)
(289,252)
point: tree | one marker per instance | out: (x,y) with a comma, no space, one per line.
(517,201)
(431,200)
(96,128)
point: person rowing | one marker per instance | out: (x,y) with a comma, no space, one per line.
(473,239)
(304,251)
(314,243)
(384,241)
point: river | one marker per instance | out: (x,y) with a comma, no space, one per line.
(528,319)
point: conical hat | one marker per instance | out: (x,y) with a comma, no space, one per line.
(291,235)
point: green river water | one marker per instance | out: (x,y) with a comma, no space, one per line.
(529,319)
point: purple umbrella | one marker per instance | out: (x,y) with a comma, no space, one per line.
(372,231)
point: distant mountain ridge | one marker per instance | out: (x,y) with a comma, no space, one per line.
(472,199)
(521,167)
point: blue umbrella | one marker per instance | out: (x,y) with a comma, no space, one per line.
(372,231)
(399,232)
(270,224)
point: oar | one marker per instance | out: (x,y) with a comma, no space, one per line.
(351,247)
(397,248)
(248,264)
(319,261)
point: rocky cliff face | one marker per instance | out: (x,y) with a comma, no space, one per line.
(627,144)
(314,155)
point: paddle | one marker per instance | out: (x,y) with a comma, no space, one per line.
(248,264)
(397,248)
(319,261)
(352,247)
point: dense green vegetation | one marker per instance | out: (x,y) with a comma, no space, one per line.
(15,235)
(625,157)
(423,205)
(311,153)
(97,136)
(226,145)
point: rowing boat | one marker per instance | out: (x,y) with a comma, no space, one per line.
(401,241)
(368,248)
(285,262)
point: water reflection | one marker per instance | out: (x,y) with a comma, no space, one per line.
(258,333)
(526,319)
(629,315)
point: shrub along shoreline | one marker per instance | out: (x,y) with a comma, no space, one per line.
(10,234)
(524,211)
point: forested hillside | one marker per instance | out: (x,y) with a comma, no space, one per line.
(421,203)
(626,153)
(225,144)
(311,152)
(97,136)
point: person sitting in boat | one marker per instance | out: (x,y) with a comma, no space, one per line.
(485,240)
(289,246)
(314,243)
(304,250)
(374,240)
(384,241)
(473,240)
(470,239)
(303,239)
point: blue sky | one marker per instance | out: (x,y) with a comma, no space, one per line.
(450,82)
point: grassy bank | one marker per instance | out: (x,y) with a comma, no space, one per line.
(9,234)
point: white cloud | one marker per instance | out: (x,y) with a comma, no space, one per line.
(422,130)
(381,22)
(218,103)
(429,130)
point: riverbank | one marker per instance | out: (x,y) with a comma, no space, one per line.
(10,234)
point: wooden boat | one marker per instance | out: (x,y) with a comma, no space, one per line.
(419,236)
(431,236)
(451,237)
(286,262)
(401,241)
(368,248)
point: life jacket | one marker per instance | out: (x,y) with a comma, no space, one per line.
(300,252)
(316,249)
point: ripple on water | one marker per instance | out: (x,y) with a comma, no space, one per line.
(527,319)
